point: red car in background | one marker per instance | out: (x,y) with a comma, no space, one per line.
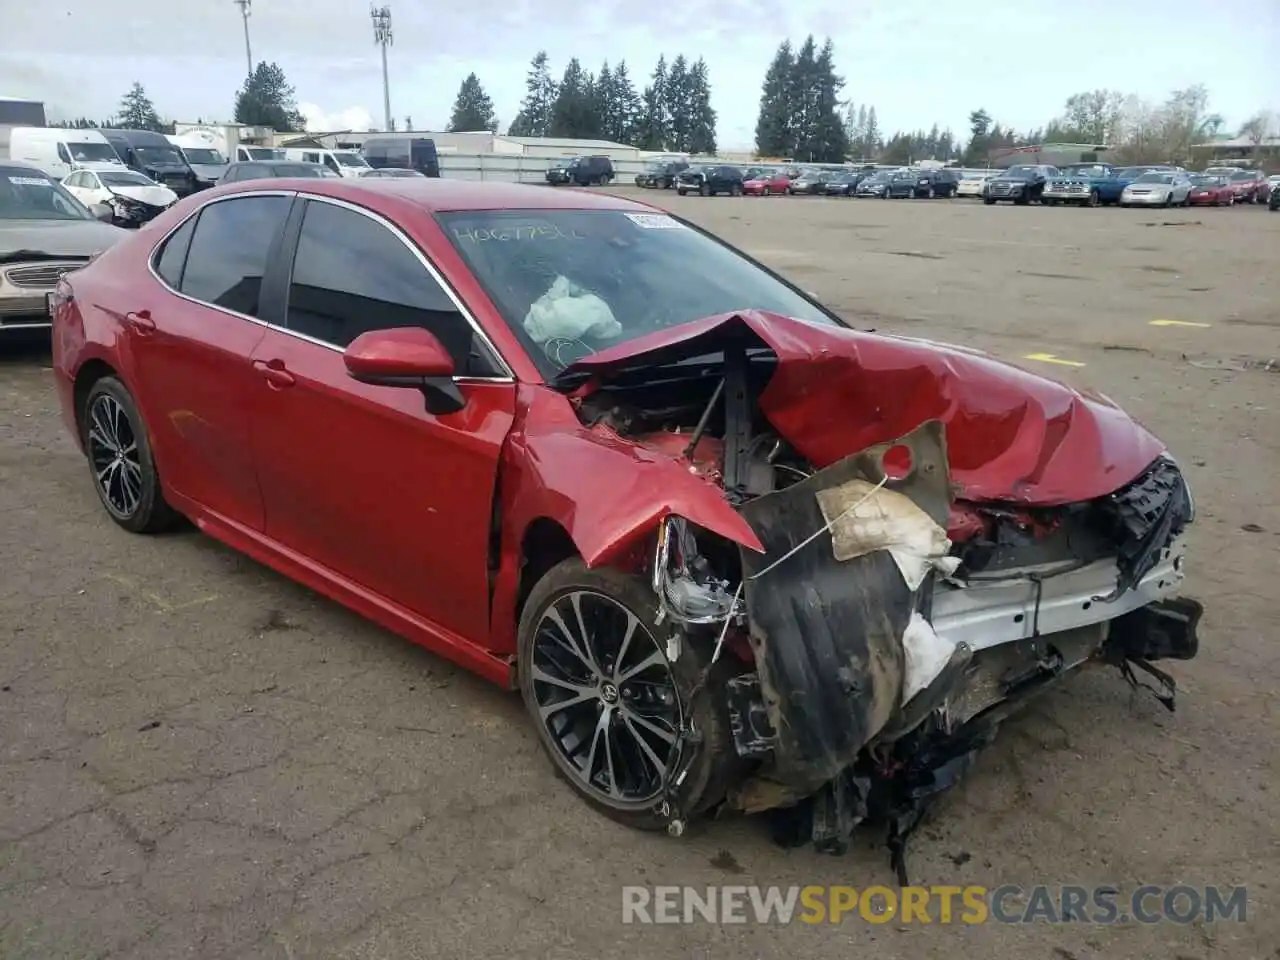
(766,184)
(1211,191)
(592,453)
(1250,186)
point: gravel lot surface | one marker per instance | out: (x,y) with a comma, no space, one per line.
(200,759)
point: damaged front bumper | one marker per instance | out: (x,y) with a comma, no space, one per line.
(880,670)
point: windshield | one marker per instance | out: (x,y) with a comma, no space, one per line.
(1155,178)
(125,180)
(29,195)
(1086,170)
(1203,181)
(572,282)
(204,155)
(350,159)
(264,153)
(158,155)
(1021,173)
(1243,175)
(92,153)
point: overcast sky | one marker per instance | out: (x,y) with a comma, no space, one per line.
(917,63)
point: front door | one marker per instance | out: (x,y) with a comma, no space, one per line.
(362,479)
(194,340)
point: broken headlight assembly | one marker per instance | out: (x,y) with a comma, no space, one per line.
(690,591)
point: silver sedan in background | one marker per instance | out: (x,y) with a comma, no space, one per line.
(1158,188)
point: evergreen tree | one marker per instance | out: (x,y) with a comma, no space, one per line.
(627,106)
(534,118)
(653,129)
(702,118)
(871,137)
(827,141)
(267,100)
(800,93)
(573,112)
(677,105)
(604,103)
(774,128)
(137,112)
(472,109)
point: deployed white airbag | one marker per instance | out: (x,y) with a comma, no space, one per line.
(568,312)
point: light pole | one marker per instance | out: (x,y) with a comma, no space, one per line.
(244,6)
(381,17)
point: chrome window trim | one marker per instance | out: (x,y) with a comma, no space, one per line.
(355,208)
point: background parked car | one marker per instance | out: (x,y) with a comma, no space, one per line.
(1021,184)
(661,174)
(1088,184)
(809,183)
(974,184)
(903,184)
(842,184)
(708,181)
(44,233)
(582,171)
(766,183)
(1249,186)
(395,172)
(268,169)
(1159,188)
(134,199)
(1274,202)
(876,185)
(936,183)
(1211,191)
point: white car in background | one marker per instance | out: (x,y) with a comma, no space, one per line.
(134,198)
(1158,188)
(971,184)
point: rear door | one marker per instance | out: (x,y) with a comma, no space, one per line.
(363,479)
(190,340)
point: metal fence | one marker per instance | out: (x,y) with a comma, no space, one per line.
(508,168)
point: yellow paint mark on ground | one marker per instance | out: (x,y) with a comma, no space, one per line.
(1050,358)
(1178,323)
(159,602)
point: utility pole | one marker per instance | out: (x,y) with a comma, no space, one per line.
(381,17)
(244,6)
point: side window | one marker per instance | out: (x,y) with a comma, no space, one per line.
(352,275)
(229,251)
(311,157)
(73,181)
(62,153)
(173,255)
(331,163)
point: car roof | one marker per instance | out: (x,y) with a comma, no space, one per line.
(439,195)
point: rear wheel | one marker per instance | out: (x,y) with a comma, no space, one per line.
(705,190)
(764,192)
(988,201)
(735,190)
(119,454)
(1094,199)
(607,704)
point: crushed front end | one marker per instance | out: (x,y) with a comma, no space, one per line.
(890,624)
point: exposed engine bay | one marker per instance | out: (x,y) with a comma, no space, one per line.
(891,623)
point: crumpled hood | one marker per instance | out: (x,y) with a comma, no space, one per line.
(156,196)
(1011,435)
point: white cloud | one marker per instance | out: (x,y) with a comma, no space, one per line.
(350,118)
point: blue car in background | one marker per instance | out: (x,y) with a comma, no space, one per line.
(1090,184)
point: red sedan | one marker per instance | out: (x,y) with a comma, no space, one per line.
(730,550)
(1211,191)
(767,184)
(1249,186)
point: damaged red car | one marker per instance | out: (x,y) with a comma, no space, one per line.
(735,554)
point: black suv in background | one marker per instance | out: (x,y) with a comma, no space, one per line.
(937,183)
(581,171)
(710,180)
(661,173)
(1021,184)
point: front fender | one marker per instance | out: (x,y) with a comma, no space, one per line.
(608,493)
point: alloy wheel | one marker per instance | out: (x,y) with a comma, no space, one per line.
(113,453)
(606,697)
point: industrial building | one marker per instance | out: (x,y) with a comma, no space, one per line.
(472,143)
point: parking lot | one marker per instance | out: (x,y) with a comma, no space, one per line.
(200,759)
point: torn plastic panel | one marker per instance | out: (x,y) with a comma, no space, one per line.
(827,634)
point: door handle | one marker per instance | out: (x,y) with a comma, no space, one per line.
(274,373)
(141,321)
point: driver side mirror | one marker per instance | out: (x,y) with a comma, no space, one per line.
(101,211)
(406,357)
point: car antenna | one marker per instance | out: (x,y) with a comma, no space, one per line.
(703,420)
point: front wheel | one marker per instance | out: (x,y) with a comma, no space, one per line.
(764,192)
(119,453)
(681,190)
(988,201)
(705,190)
(610,709)
(735,190)
(1094,199)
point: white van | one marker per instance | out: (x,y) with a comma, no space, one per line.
(345,163)
(60,151)
(249,152)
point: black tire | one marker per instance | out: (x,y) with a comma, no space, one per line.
(735,190)
(988,201)
(681,191)
(1094,199)
(705,190)
(130,492)
(715,761)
